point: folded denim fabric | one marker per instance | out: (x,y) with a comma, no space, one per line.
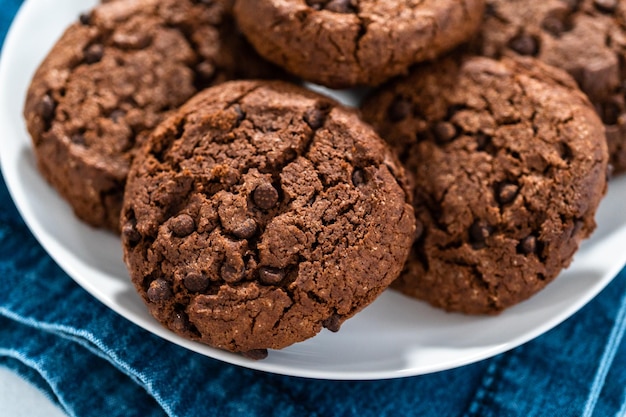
(92,362)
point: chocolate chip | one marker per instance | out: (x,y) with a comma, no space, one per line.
(182,225)
(483,142)
(605,6)
(116,115)
(445,132)
(340,6)
(206,70)
(333,323)
(419,230)
(480,231)
(315,4)
(315,117)
(506,192)
(159,290)
(525,44)
(78,139)
(265,196)
(358,177)
(553,25)
(179,321)
(241,115)
(610,113)
(47,107)
(94,53)
(196,282)
(399,109)
(130,233)
(256,354)
(610,169)
(231,274)
(565,151)
(246,229)
(85,19)
(271,276)
(527,245)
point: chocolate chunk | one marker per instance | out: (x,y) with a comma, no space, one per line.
(159,290)
(246,229)
(399,109)
(525,44)
(265,196)
(506,192)
(445,132)
(256,354)
(527,245)
(271,276)
(333,323)
(196,282)
(182,225)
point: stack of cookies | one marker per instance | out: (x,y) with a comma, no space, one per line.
(254,212)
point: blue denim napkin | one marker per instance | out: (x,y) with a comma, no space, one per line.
(92,362)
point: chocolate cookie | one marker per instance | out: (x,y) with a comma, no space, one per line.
(260,213)
(345,43)
(509,163)
(587,38)
(112,77)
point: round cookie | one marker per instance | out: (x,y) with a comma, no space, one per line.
(112,77)
(587,38)
(346,43)
(508,162)
(261,212)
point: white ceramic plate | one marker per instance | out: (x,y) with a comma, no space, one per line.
(394,337)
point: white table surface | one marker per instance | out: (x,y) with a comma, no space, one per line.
(19,398)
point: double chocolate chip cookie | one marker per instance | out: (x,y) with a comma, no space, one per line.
(261,212)
(587,38)
(112,77)
(508,161)
(345,43)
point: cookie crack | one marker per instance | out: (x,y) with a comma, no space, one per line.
(364,23)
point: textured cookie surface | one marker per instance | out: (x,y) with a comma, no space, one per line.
(587,38)
(112,77)
(260,213)
(343,43)
(508,162)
